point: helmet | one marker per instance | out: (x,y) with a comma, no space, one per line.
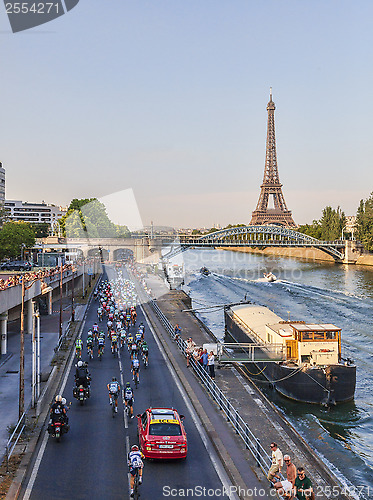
(128,384)
(134,447)
(114,379)
(80,363)
(145,343)
(58,398)
(63,401)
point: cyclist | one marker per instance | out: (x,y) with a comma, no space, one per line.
(114,392)
(78,347)
(122,337)
(142,329)
(101,344)
(90,344)
(134,350)
(129,398)
(129,341)
(99,313)
(95,330)
(128,319)
(109,325)
(133,316)
(135,465)
(138,336)
(145,352)
(114,342)
(135,369)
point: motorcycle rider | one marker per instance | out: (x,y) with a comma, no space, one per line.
(58,411)
(82,376)
(135,463)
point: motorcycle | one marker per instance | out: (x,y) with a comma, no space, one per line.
(81,393)
(57,428)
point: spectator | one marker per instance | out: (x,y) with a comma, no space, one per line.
(211,365)
(189,349)
(276,462)
(303,486)
(177,331)
(286,486)
(205,359)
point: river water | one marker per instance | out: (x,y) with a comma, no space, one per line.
(314,292)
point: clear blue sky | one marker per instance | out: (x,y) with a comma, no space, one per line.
(169,98)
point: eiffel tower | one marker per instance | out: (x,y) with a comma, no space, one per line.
(278,215)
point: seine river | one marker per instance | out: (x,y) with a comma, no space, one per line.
(313,292)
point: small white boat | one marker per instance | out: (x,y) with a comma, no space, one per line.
(270,277)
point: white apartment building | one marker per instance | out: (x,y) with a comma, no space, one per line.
(33,212)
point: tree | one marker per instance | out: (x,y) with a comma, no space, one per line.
(13,237)
(364,222)
(87,218)
(329,227)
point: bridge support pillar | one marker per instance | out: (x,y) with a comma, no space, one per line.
(4,332)
(30,310)
(353,250)
(49,302)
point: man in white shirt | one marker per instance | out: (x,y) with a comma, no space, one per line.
(277,462)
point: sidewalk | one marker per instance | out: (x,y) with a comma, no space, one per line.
(9,366)
(264,420)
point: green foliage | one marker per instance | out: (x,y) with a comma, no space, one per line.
(76,204)
(329,227)
(13,236)
(87,218)
(364,222)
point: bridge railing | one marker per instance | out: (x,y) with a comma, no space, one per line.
(242,428)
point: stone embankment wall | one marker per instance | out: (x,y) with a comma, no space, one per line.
(311,254)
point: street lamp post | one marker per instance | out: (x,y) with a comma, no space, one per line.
(61,291)
(22,356)
(33,359)
(72,296)
(21,402)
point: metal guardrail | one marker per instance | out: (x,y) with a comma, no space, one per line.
(62,338)
(9,448)
(252,443)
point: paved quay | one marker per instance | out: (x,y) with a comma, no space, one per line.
(266,423)
(9,366)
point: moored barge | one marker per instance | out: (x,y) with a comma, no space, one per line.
(311,370)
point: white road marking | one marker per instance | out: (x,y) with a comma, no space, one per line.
(39,458)
(197,422)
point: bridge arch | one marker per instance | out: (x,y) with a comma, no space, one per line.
(123,254)
(95,252)
(258,236)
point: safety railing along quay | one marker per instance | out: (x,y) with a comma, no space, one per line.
(14,438)
(252,443)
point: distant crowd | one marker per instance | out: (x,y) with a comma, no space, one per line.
(16,279)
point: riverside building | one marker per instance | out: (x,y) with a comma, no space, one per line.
(33,212)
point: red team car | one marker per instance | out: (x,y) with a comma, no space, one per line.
(162,434)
